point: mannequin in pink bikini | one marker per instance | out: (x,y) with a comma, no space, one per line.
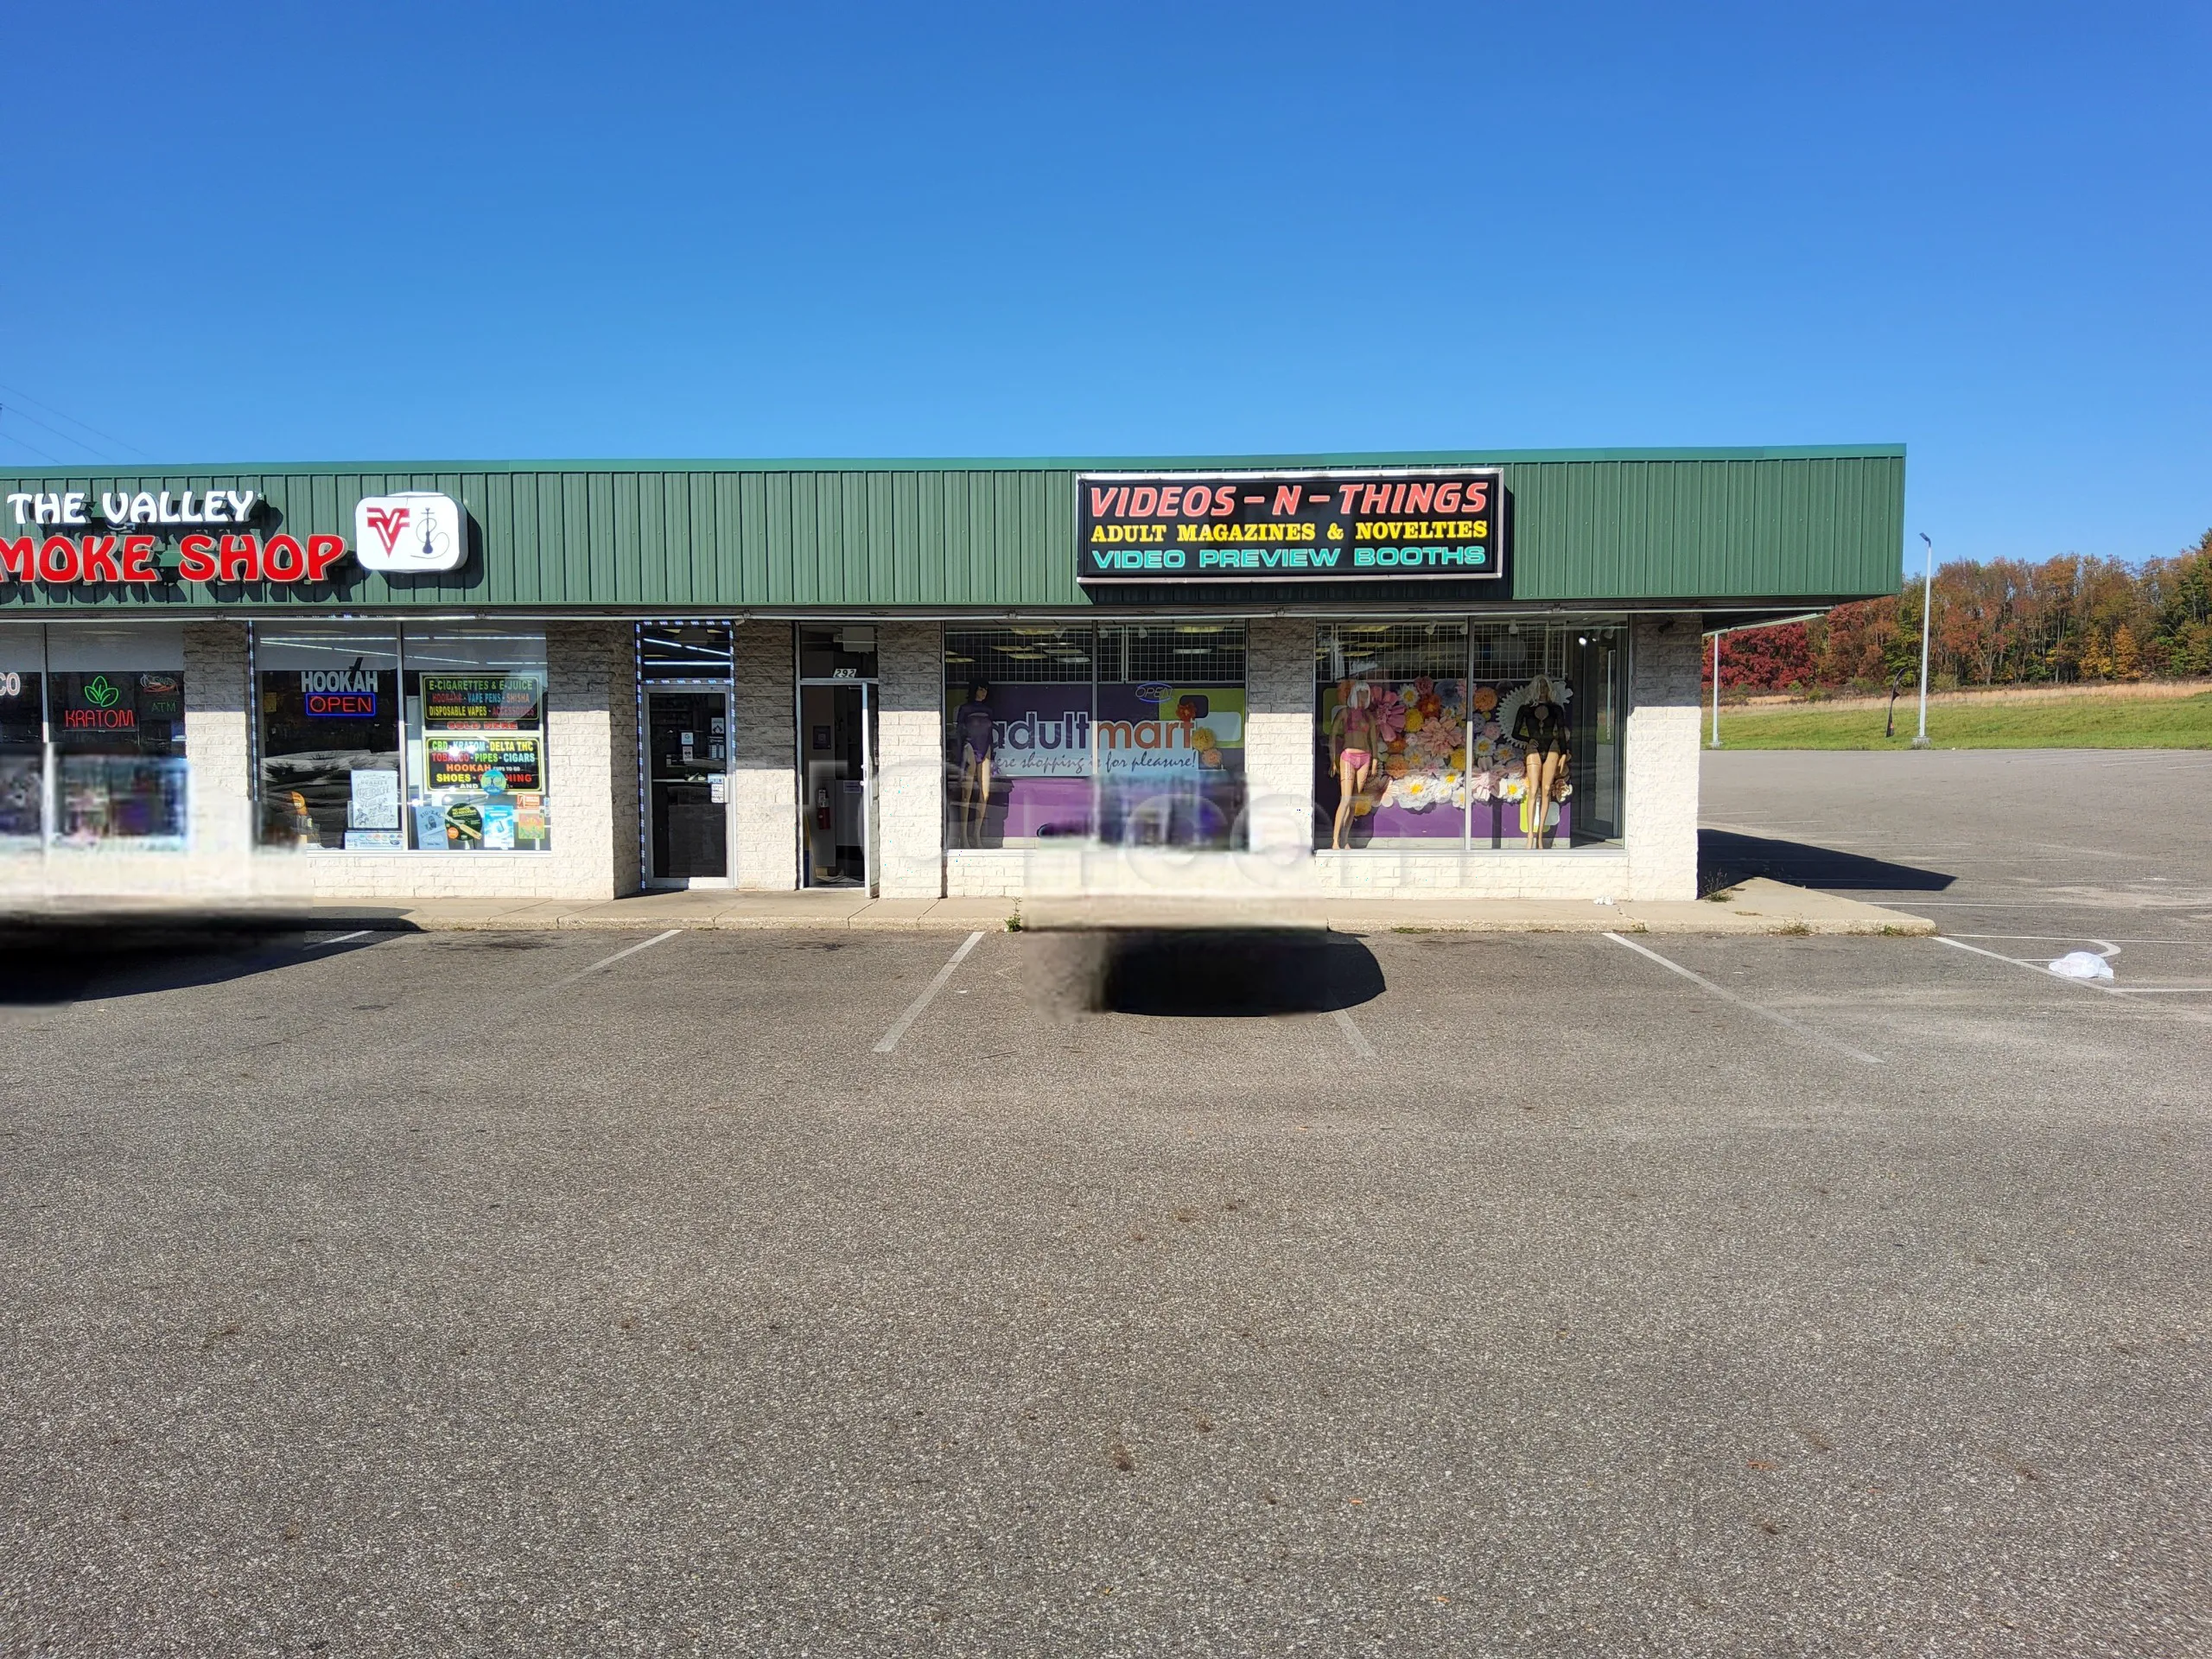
(1353,744)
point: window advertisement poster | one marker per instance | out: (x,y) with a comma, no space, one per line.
(489,763)
(485,793)
(481,702)
(373,799)
(1171,764)
(1041,758)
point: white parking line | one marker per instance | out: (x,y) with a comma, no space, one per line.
(1782,1019)
(608,961)
(358,933)
(2032,967)
(2074,938)
(1354,1035)
(889,1040)
(2110,949)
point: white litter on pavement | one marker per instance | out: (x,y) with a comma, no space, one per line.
(2081,964)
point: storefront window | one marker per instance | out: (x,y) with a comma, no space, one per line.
(23,735)
(840,653)
(388,740)
(679,651)
(329,698)
(1170,735)
(1442,735)
(1133,734)
(1018,745)
(115,711)
(476,741)
(1393,743)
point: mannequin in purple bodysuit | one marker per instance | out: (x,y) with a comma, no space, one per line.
(974,732)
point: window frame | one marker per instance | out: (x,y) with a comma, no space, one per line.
(1480,630)
(413,733)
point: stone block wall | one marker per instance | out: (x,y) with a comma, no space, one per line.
(1659,800)
(219,743)
(1279,735)
(764,760)
(910,760)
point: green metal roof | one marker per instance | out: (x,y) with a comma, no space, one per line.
(1800,526)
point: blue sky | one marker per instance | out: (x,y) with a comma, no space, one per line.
(314,232)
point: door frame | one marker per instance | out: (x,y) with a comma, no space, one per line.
(868,826)
(646,879)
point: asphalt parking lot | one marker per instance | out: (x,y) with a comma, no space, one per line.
(1417,1292)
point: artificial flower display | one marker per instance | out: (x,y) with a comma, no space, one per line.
(1445,743)
(1426,760)
(1390,713)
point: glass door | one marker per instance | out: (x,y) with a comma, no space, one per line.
(687,785)
(1599,673)
(836,745)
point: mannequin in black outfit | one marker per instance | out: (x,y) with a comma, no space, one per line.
(1541,725)
(978,742)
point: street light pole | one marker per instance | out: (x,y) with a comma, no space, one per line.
(1927,610)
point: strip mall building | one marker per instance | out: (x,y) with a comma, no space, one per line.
(962,678)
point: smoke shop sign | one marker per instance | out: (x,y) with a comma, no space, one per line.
(1318,526)
(78,536)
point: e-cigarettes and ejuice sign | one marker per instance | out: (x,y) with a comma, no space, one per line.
(1325,526)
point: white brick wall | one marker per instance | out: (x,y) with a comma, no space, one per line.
(1659,801)
(1279,735)
(764,760)
(910,760)
(217,711)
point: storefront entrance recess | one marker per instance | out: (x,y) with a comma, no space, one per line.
(836,756)
(687,750)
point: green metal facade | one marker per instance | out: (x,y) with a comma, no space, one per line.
(1728,526)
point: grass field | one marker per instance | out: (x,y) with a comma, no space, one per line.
(2099,722)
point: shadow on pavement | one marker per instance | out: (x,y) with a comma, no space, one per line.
(47,966)
(1725,858)
(1239,975)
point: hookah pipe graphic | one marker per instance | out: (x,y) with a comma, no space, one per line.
(431,550)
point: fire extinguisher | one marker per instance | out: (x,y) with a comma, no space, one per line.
(822,809)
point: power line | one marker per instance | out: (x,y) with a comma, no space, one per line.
(40,402)
(67,437)
(33,447)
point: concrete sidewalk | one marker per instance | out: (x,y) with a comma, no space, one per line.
(1758,905)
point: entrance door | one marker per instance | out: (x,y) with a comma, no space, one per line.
(1598,670)
(836,758)
(687,785)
